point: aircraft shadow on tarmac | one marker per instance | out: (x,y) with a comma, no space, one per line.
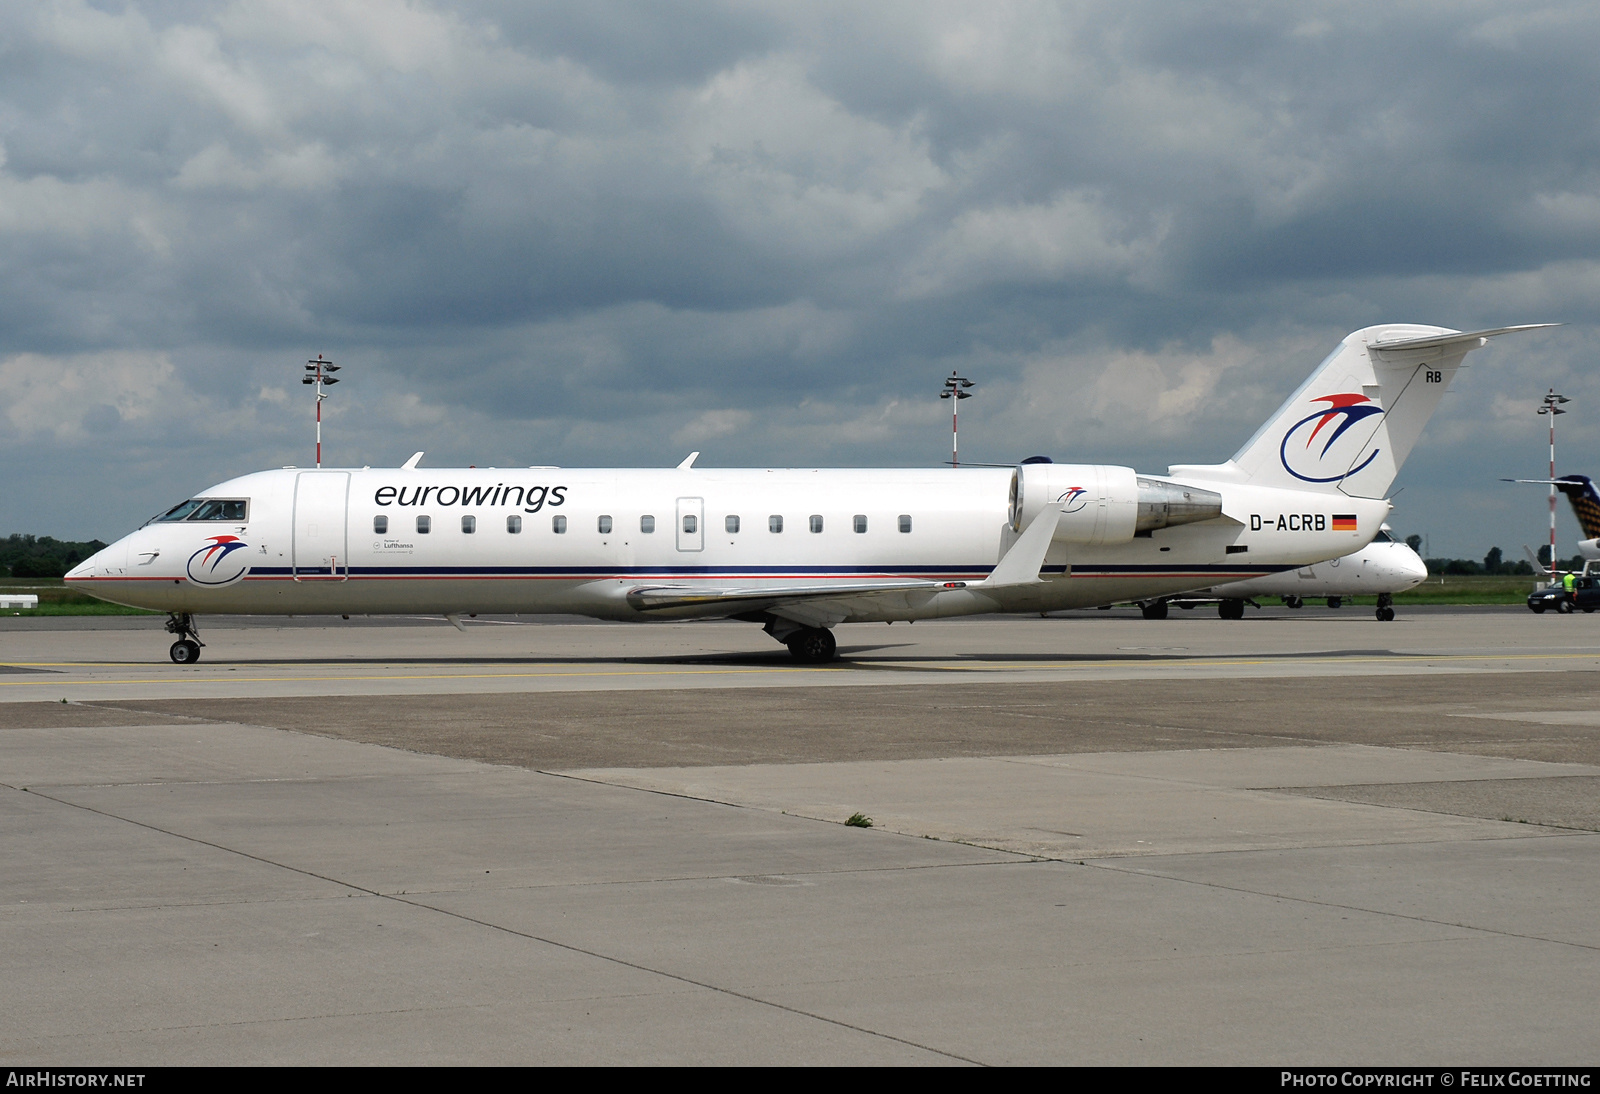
(861,657)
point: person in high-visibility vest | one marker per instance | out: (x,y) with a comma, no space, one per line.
(1568,582)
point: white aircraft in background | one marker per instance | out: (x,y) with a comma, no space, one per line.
(797,551)
(1382,568)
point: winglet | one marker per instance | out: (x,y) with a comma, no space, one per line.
(1021,564)
(688,461)
(411,464)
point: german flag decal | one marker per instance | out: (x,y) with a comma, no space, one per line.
(1344,522)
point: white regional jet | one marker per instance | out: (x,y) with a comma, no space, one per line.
(1383,567)
(797,551)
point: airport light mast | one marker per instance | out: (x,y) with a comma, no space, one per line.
(955,391)
(1551,405)
(317,371)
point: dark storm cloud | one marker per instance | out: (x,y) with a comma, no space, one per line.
(604,232)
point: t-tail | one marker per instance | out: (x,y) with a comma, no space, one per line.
(1351,425)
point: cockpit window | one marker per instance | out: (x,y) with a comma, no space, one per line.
(178,512)
(233,510)
(1383,537)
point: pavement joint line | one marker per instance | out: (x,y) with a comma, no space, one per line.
(569,947)
(1117,865)
(682,979)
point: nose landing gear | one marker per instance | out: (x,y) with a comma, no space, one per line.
(186,650)
(1385,608)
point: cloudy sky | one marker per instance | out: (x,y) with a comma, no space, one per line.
(610,233)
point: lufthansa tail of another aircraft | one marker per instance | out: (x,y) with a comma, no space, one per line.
(1351,425)
(1580,491)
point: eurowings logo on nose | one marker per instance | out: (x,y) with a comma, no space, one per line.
(210,566)
(1342,412)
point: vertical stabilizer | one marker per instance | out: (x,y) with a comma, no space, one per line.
(1351,425)
(1580,491)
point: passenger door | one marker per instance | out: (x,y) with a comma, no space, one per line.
(320,545)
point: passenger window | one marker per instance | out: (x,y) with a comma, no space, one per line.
(469,525)
(774,523)
(424,525)
(816,522)
(732,524)
(604,525)
(905,522)
(514,525)
(558,525)
(647,524)
(861,522)
(380,525)
(690,523)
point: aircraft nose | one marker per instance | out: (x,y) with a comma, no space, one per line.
(1410,568)
(106,562)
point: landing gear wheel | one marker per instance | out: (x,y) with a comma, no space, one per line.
(1385,615)
(1293,602)
(814,645)
(1335,601)
(186,650)
(1231,609)
(1156,609)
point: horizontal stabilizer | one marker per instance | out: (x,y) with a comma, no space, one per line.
(1468,339)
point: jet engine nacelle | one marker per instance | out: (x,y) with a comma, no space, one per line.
(1104,504)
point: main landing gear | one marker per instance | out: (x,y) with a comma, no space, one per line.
(1154,609)
(1385,608)
(1230,608)
(813,645)
(186,650)
(810,645)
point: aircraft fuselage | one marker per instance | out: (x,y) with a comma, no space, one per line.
(556,540)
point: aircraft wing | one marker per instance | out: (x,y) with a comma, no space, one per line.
(692,602)
(824,605)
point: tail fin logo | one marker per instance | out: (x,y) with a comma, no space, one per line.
(210,566)
(1312,464)
(1580,491)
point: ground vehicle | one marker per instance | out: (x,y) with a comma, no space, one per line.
(1585,595)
